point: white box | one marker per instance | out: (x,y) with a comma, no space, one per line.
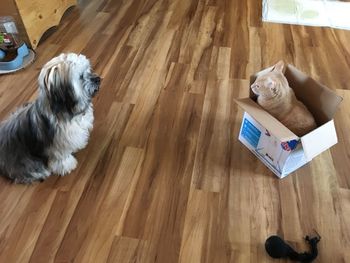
(326,13)
(275,145)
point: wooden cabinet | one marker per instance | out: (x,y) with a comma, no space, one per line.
(34,17)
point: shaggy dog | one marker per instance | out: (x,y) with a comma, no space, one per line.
(39,139)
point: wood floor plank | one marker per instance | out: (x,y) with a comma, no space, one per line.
(145,95)
(323,210)
(344,199)
(212,153)
(22,233)
(78,42)
(98,241)
(214,149)
(125,250)
(156,212)
(200,233)
(341,157)
(195,80)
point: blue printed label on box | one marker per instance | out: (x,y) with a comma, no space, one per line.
(282,157)
(250,133)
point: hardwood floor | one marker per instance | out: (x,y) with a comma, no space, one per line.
(164,178)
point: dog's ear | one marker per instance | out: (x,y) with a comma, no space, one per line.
(59,90)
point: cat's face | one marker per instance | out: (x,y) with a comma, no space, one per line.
(268,85)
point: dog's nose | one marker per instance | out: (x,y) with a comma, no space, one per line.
(96,80)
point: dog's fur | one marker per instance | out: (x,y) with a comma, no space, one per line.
(39,138)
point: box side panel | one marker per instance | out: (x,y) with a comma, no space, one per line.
(270,150)
(319,140)
(277,173)
(266,120)
(295,160)
(321,101)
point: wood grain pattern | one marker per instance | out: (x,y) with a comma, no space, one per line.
(164,178)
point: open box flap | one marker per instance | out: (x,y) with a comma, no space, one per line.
(265,119)
(319,99)
(319,140)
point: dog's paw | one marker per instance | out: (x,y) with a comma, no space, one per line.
(63,167)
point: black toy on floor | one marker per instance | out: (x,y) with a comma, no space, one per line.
(277,248)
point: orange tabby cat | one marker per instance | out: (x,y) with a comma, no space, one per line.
(277,98)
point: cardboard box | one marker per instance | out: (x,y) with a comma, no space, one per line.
(273,143)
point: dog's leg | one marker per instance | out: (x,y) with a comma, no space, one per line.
(63,166)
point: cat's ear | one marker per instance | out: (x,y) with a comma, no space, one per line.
(279,67)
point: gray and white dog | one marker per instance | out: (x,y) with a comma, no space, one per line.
(39,139)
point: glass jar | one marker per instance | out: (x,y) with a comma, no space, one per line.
(9,37)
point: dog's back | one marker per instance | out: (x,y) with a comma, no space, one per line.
(24,136)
